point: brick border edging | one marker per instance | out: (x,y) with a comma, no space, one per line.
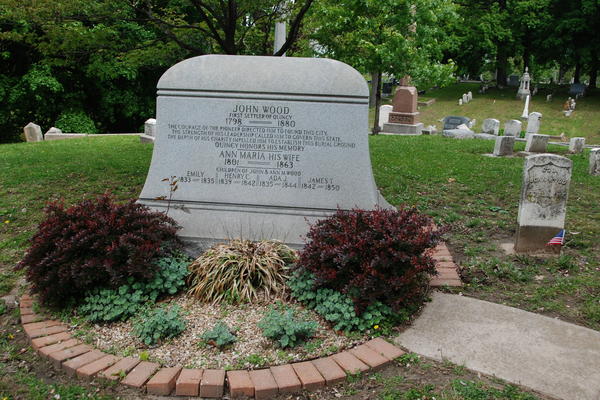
(51,340)
(446,268)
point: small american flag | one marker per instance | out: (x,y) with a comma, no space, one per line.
(558,239)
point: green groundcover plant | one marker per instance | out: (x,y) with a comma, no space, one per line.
(285,329)
(159,323)
(103,305)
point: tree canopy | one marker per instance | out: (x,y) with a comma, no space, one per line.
(93,65)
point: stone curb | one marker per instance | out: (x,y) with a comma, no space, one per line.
(52,341)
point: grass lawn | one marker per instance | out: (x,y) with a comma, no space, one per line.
(445,178)
(502,105)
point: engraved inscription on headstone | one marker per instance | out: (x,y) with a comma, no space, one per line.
(260,146)
(543,204)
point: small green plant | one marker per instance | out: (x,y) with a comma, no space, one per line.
(219,336)
(337,308)
(103,305)
(481,271)
(409,358)
(241,271)
(285,329)
(159,323)
(564,263)
(144,355)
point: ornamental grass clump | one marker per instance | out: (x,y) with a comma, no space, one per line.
(241,271)
(95,244)
(373,257)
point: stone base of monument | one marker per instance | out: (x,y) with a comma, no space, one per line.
(402,129)
(534,240)
(209,223)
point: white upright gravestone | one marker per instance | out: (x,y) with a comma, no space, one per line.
(543,205)
(594,162)
(384,114)
(260,146)
(491,126)
(533,123)
(33,132)
(512,128)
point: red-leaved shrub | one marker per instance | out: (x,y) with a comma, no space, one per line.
(380,255)
(96,243)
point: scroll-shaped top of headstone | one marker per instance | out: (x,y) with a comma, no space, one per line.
(259,145)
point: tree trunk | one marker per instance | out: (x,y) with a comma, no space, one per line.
(577,74)
(374,85)
(377,102)
(561,74)
(501,54)
(501,61)
(593,70)
(526,51)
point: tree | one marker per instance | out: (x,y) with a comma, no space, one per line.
(396,37)
(230,27)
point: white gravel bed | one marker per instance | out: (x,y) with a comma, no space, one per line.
(251,350)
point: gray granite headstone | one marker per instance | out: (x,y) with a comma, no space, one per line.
(33,132)
(465,98)
(537,143)
(576,144)
(577,89)
(490,126)
(260,146)
(595,161)
(512,128)
(504,146)
(452,121)
(543,204)
(533,123)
